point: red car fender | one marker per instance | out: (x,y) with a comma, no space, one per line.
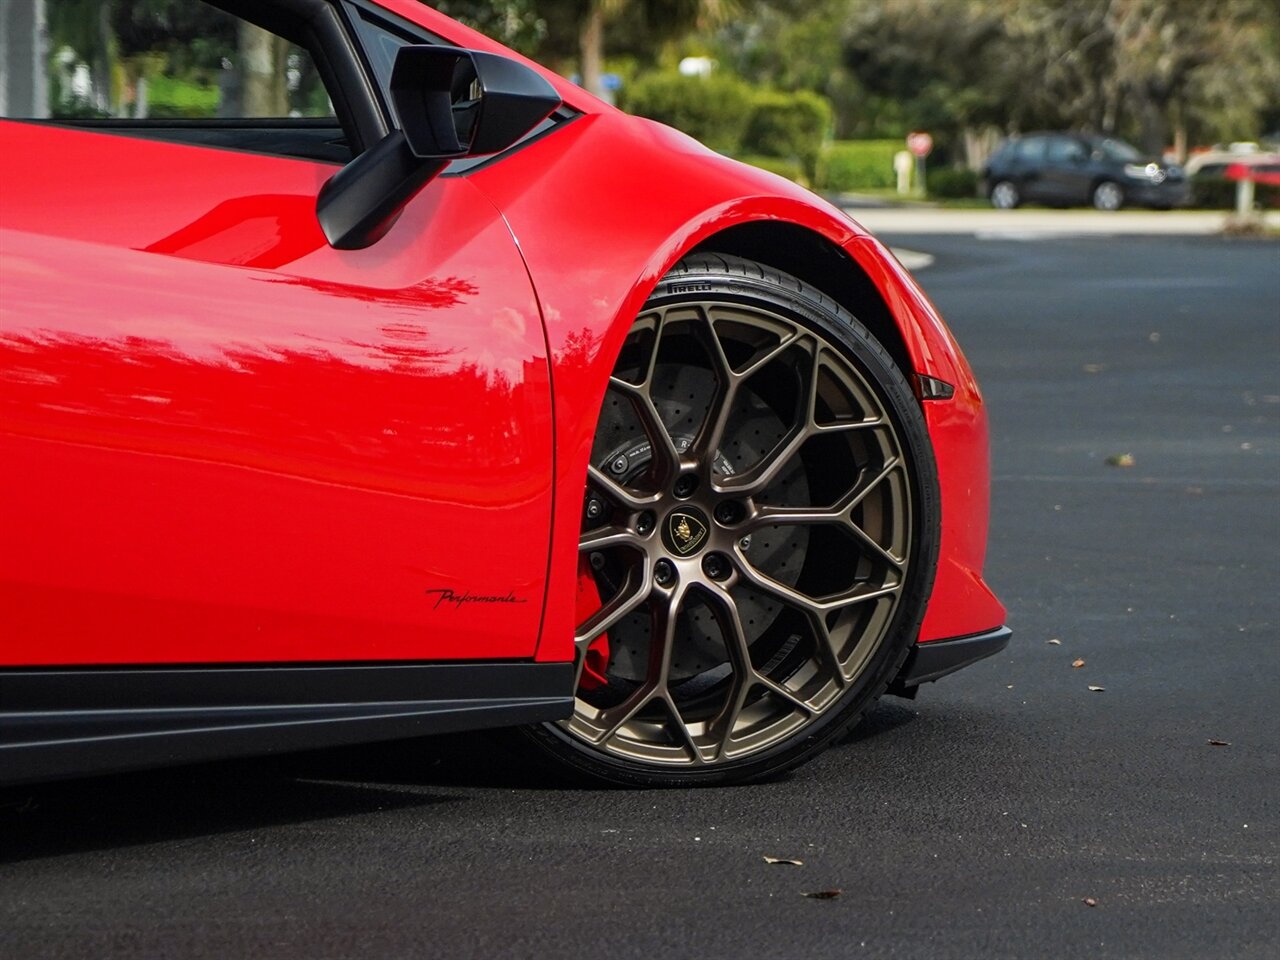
(602,209)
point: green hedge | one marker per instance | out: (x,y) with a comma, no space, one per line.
(713,109)
(788,167)
(729,115)
(172,97)
(948,183)
(789,126)
(858,165)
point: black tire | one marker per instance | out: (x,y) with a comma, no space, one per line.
(1005,195)
(776,630)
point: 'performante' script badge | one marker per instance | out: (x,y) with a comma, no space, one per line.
(686,532)
(465,598)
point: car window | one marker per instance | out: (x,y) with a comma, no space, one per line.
(181,70)
(1031,149)
(1066,150)
(1119,150)
(155,60)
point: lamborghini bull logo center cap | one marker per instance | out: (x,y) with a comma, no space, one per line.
(685,531)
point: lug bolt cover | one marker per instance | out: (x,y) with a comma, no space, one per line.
(715,566)
(664,573)
(729,512)
(686,485)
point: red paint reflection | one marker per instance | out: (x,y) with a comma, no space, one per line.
(267,230)
(414,423)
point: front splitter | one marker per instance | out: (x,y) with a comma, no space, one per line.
(929,661)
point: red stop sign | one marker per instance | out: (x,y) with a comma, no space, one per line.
(920,143)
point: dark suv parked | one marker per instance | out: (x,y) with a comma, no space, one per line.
(1066,169)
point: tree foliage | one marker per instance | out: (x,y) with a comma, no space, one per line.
(1152,70)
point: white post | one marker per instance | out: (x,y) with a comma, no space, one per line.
(902,165)
(1244,196)
(24,87)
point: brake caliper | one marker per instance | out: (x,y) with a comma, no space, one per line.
(597,659)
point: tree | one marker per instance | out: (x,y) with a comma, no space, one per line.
(1162,47)
(517,23)
(936,58)
(261,62)
(1153,70)
(1158,71)
(658,18)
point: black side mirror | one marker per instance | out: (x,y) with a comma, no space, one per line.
(451,103)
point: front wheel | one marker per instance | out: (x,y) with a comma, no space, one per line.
(1108,196)
(1005,196)
(759,534)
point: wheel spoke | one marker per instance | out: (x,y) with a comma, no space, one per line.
(745,677)
(826,648)
(753,481)
(612,720)
(628,598)
(604,537)
(758,477)
(682,728)
(898,563)
(665,457)
(657,681)
(619,494)
(859,593)
(666,611)
(788,695)
(744,673)
(710,437)
(847,426)
(769,516)
(863,487)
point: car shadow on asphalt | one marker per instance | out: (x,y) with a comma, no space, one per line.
(122,810)
(885,716)
(498,760)
(75,816)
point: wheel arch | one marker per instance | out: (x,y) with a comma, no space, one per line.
(823,265)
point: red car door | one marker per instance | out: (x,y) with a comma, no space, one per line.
(223,441)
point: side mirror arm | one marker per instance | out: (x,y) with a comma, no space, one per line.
(451,103)
(361,202)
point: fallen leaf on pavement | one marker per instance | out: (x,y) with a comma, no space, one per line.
(822,894)
(1096,689)
(1219,743)
(787,861)
(1121,460)
(1078,663)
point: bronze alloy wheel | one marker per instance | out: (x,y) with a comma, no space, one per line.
(759,532)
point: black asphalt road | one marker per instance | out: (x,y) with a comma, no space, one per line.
(973,822)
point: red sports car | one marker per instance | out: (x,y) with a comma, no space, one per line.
(407,388)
